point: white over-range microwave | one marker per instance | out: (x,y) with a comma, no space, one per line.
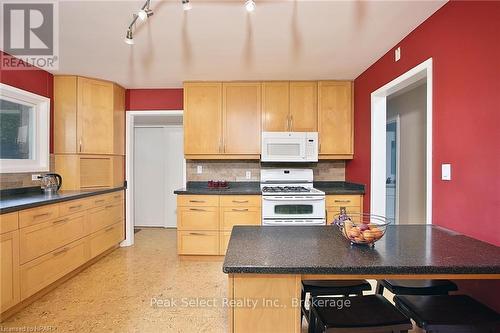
(289,147)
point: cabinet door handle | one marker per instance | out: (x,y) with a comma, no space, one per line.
(60,252)
(80,145)
(109,229)
(99,201)
(320,147)
(197,201)
(41,215)
(60,221)
(240,201)
(240,210)
(197,209)
(109,206)
(197,234)
(74,207)
(342,200)
(291,122)
(117,196)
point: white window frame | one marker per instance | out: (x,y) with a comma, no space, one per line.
(40,146)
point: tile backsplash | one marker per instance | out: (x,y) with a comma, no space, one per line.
(17,180)
(236,170)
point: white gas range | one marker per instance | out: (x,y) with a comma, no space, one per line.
(289,198)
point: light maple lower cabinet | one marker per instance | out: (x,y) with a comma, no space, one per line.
(39,273)
(204,222)
(352,204)
(41,245)
(9,265)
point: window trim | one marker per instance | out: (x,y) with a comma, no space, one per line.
(41,106)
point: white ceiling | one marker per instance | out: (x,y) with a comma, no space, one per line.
(219,40)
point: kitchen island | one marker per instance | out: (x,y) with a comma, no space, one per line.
(266,265)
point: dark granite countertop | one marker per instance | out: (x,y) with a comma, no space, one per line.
(235,188)
(405,249)
(19,199)
(340,187)
(253,188)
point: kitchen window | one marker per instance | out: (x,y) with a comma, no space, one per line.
(24,131)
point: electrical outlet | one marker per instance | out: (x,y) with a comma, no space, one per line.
(445,171)
(397,54)
(248,175)
(35,176)
(199,169)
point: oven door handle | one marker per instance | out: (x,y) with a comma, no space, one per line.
(316,198)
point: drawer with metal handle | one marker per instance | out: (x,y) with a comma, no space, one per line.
(198,242)
(42,271)
(198,200)
(42,238)
(104,216)
(37,215)
(106,239)
(197,218)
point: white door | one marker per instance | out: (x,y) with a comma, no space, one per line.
(149,175)
(174,167)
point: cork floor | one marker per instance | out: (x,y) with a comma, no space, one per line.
(118,293)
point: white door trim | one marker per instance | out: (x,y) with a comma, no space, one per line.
(129,167)
(378,136)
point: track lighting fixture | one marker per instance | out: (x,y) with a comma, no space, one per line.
(186,5)
(250,5)
(129,39)
(143,14)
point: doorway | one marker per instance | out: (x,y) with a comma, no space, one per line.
(401,147)
(155,167)
(406,132)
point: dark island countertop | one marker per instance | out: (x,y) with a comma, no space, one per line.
(19,199)
(253,188)
(405,249)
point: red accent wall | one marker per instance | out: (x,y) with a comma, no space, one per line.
(462,39)
(154,99)
(34,80)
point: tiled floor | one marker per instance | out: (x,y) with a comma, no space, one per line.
(116,293)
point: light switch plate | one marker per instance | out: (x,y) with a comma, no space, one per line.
(199,169)
(397,54)
(248,175)
(35,176)
(446,171)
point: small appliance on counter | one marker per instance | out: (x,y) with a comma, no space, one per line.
(50,183)
(218,184)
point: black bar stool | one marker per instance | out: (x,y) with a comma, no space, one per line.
(416,287)
(331,288)
(371,313)
(449,313)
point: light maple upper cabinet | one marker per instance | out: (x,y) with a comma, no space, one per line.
(241,117)
(118,120)
(335,120)
(89,116)
(89,132)
(202,118)
(95,116)
(276,106)
(303,106)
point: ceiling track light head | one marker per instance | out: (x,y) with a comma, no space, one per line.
(186,5)
(129,38)
(250,5)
